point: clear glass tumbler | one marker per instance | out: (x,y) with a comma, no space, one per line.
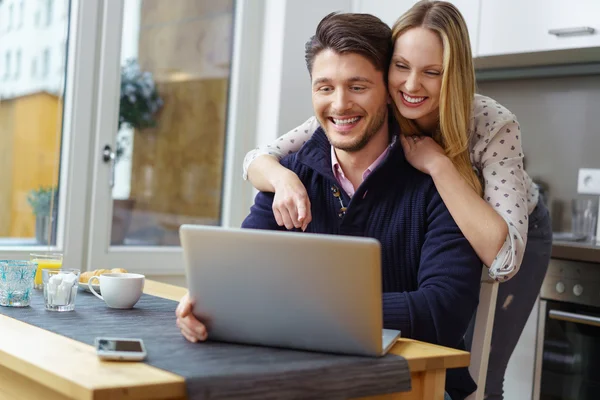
(60,288)
(584,217)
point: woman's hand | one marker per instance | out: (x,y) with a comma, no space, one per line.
(423,153)
(192,329)
(291,205)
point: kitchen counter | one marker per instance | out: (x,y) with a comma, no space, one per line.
(576,251)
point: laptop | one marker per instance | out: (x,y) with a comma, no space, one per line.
(287,289)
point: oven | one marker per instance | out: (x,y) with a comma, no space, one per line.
(568,340)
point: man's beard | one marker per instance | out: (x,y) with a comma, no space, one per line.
(371,129)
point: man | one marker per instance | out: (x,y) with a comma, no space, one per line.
(359,183)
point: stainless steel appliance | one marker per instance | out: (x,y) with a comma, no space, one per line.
(568,341)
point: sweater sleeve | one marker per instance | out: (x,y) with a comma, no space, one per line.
(261,213)
(286,144)
(449,275)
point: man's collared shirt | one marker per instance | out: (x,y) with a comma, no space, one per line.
(341,177)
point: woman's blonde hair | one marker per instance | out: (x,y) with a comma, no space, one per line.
(458,81)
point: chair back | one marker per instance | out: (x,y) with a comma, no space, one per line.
(482,334)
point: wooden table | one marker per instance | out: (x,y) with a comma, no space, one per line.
(38,364)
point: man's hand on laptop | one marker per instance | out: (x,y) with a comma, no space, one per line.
(291,206)
(192,329)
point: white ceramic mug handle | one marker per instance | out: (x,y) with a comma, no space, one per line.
(92,288)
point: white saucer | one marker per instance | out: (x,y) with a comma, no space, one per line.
(84,286)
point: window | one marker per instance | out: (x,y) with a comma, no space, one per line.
(10,18)
(31,126)
(46,63)
(21,13)
(190,71)
(17,64)
(49,4)
(33,67)
(7,65)
(61,53)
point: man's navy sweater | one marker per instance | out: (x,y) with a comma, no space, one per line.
(431,275)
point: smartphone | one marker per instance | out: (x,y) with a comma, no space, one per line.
(120,349)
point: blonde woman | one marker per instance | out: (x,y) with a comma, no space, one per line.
(471,147)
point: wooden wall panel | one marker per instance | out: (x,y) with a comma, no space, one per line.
(186,39)
(155,12)
(36,155)
(177,167)
(6,160)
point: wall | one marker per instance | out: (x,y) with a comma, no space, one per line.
(560,127)
(285,93)
(560,122)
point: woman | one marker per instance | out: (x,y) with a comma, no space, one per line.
(471,147)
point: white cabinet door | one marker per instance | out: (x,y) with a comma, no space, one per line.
(523,26)
(390,10)
(470,12)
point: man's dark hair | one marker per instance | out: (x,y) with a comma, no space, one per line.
(362,34)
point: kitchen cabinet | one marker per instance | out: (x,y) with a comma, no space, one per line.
(530,26)
(390,10)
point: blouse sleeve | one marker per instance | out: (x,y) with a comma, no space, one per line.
(501,158)
(284,145)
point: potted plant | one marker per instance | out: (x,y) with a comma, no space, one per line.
(42,200)
(139,102)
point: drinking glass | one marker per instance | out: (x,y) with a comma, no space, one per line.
(584,217)
(45,261)
(16,282)
(60,288)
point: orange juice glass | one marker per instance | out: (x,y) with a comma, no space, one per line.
(45,261)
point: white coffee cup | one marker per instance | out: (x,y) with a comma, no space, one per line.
(119,290)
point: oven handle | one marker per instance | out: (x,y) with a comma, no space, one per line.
(576,318)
